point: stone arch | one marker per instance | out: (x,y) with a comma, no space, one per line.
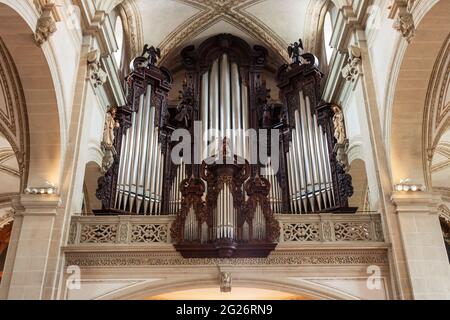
(302,288)
(314,23)
(406,117)
(436,129)
(13,119)
(108,5)
(40,93)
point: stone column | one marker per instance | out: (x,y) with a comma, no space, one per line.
(28,251)
(425,254)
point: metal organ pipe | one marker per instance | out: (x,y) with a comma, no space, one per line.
(205,111)
(224,105)
(275,195)
(143,157)
(328,167)
(245,123)
(316,181)
(140,171)
(214,102)
(121,182)
(151,165)
(309,171)
(237,114)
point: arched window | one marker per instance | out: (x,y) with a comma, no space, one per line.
(327,34)
(119,38)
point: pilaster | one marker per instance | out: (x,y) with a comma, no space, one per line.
(425,253)
(29,246)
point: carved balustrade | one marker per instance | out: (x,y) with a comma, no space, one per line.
(294,229)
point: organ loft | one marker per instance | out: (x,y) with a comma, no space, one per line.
(224,150)
(223,193)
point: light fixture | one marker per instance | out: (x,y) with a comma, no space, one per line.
(406,186)
(40,190)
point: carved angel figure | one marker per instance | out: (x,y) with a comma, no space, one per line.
(109,151)
(225,282)
(339,127)
(153,54)
(405,25)
(46,26)
(295,50)
(184,113)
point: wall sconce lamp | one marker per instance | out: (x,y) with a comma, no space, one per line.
(41,190)
(406,186)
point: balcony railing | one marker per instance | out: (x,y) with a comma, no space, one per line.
(330,228)
(130,230)
(155,230)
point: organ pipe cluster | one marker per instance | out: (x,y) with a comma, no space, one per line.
(140,178)
(309,171)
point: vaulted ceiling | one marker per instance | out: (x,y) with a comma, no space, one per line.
(171,24)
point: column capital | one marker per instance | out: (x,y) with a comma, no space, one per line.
(36,204)
(417,202)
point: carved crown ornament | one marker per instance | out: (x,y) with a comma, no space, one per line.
(401,12)
(352,69)
(46,24)
(97,74)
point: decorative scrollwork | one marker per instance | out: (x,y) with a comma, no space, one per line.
(301,232)
(149,233)
(352,231)
(98,233)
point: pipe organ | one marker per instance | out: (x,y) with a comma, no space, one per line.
(309,172)
(315,180)
(139,185)
(224,107)
(224,197)
(134,183)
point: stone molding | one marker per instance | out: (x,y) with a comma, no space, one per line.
(97,74)
(36,205)
(416,202)
(352,70)
(401,12)
(335,257)
(46,24)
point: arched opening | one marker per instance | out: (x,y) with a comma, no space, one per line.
(91,176)
(327,34)
(9,170)
(237,293)
(118,31)
(360,198)
(242,289)
(407,148)
(5,235)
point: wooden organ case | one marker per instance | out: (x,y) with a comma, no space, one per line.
(224,201)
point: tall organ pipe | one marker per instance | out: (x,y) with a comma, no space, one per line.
(140,171)
(149,164)
(308,166)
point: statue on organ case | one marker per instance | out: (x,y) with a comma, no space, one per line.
(295,50)
(339,127)
(185,108)
(109,152)
(340,148)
